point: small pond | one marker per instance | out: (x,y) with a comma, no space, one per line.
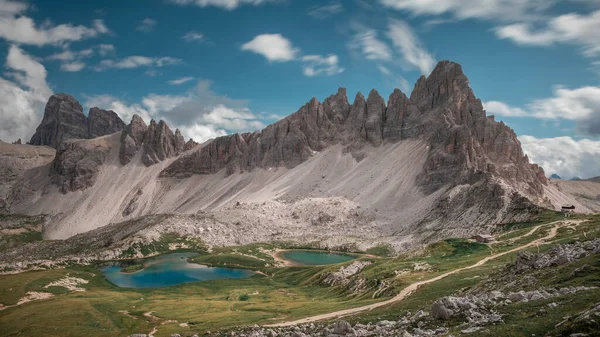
(315,258)
(167,270)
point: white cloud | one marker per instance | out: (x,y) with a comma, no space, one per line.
(193,36)
(21,103)
(274,47)
(316,65)
(16,27)
(136,62)
(410,47)
(200,113)
(224,4)
(581,105)
(583,30)
(473,9)
(371,47)
(564,155)
(180,80)
(72,61)
(384,70)
(501,109)
(146,25)
(201,132)
(325,11)
(105,49)
(72,66)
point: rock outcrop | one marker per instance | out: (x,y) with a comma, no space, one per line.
(160,143)
(64,119)
(132,138)
(15,160)
(157,140)
(78,163)
(103,122)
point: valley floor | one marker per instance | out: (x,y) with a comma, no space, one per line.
(79,301)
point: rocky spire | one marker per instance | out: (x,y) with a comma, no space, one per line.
(132,138)
(64,119)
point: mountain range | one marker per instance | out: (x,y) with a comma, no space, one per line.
(411,170)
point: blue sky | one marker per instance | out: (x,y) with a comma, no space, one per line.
(211,67)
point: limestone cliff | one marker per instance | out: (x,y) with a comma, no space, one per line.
(64,119)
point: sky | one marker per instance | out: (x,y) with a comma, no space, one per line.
(213,67)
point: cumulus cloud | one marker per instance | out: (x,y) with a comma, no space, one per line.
(583,30)
(181,80)
(22,100)
(193,36)
(224,4)
(581,105)
(564,156)
(131,62)
(502,109)
(274,47)
(325,11)
(146,25)
(316,65)
(200,113)
(277,48)
(410,46)
(18,28)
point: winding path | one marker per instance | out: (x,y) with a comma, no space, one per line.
(414,286)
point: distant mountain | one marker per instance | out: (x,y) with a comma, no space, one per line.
(555,176)
(576,179)
(595,179)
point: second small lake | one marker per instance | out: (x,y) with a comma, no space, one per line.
(315,258)
(167,270)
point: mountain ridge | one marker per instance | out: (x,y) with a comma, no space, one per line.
(426,167)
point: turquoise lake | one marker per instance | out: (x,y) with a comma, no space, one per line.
(167,270)
(314,258)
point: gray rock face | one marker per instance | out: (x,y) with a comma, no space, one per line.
(78,163)
(103,122)
(132,138)
(64,119)
(157,140)
(160,143)
(466,147)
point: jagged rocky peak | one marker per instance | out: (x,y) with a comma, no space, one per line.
(190,144)
(156,139)
(464,145)
(103,122)
(64,119)
(132,138)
